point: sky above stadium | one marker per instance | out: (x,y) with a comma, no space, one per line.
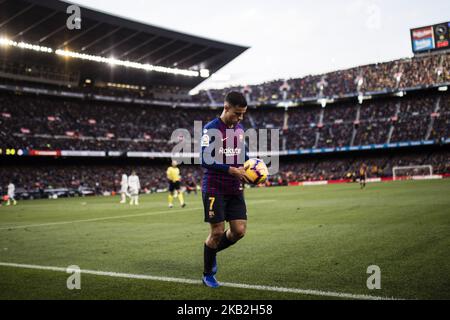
(289,38)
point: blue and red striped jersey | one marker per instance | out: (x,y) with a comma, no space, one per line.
(230,145)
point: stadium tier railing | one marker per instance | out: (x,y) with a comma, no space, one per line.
(275,103)
(143,154)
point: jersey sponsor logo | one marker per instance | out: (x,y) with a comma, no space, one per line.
(230,152)
(205,141)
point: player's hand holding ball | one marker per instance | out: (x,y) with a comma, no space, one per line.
(256,171)
(238,173)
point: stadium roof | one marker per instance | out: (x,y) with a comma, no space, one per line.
(43,23)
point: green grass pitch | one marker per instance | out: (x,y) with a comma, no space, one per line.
(319,238)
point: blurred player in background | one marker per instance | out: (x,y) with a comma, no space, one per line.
(173,175)
(362,175)
(191,184)
(11,192)
(134,186)
(124,189)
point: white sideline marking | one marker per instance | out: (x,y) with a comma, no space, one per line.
(198,282)
(95,219)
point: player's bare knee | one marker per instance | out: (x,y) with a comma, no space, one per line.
(238,234)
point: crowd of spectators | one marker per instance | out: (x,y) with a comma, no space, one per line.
(106,178)
(441,121)
(375,122)
(54,123)
(348,168)
(101,178)
(403,73)
(49,123)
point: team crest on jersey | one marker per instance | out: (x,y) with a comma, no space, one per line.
(205,141)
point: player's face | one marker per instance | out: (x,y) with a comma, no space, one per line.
(235,114)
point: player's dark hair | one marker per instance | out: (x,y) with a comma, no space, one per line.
(236,99)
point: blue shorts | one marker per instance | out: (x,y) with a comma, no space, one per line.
(223,207)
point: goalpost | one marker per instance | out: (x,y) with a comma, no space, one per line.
(412,172)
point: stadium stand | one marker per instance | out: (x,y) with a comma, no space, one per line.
(329,123)
(46,123)
(106,178)
(422,71)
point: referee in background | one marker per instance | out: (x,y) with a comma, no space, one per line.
(173,175)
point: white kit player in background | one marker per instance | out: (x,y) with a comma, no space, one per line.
(11,191)
(124,189)
(134,186)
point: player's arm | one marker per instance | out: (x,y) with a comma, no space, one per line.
(238,173)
